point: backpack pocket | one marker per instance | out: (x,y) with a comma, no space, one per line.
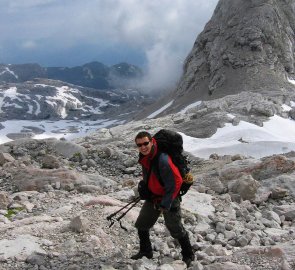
(188,180)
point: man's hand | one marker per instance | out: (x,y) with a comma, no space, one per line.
(143,190)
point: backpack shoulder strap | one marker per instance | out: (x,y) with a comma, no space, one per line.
(155,166)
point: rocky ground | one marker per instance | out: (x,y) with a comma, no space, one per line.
(56,195)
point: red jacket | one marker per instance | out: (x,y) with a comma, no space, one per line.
(167,188)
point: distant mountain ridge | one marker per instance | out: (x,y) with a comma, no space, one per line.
(94,74)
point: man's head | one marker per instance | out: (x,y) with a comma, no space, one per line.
(144,142)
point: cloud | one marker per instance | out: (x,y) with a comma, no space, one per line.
(29,45)
(163,69)
(20,5)
(163,30)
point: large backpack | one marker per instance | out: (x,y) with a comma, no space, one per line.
(171,142)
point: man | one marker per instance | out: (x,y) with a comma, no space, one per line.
(160,189)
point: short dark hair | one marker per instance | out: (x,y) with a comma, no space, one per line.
(143,134)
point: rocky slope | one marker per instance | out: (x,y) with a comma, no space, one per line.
(41,99)
(56,195)
(246,46)
(240,213)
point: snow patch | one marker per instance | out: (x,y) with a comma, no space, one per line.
(7,70)
(286,108)
(291,81)
(231,116)
(160,110)
(275,137)
(195,104)
(55,129)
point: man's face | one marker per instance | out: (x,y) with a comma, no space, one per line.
(144,145)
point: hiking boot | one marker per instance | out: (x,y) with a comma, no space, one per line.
(186,250)
(140,254)
(188,260)
(145,246)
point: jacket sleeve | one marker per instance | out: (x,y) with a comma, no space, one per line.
(144,174)
(168,178)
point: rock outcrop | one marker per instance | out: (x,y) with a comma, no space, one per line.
(246,46)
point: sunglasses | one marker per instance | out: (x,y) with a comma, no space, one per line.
(141,144)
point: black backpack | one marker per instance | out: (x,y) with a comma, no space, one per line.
(171,143)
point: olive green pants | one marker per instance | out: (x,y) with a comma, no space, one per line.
(148,216)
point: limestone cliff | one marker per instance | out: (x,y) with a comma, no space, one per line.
(248,45)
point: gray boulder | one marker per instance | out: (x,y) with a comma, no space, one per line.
(5,157)
(246,187)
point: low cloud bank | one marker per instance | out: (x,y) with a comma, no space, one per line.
(162,31)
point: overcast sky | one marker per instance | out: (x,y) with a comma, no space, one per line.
(154,34)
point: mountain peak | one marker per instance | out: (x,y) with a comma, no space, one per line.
(246,46)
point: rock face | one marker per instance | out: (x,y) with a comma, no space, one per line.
(246,46)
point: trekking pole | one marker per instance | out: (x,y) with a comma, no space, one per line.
(135,203)
(132,203)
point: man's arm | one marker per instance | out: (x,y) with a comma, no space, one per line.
(168,180)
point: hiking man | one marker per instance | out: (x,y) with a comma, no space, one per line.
(161,197)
